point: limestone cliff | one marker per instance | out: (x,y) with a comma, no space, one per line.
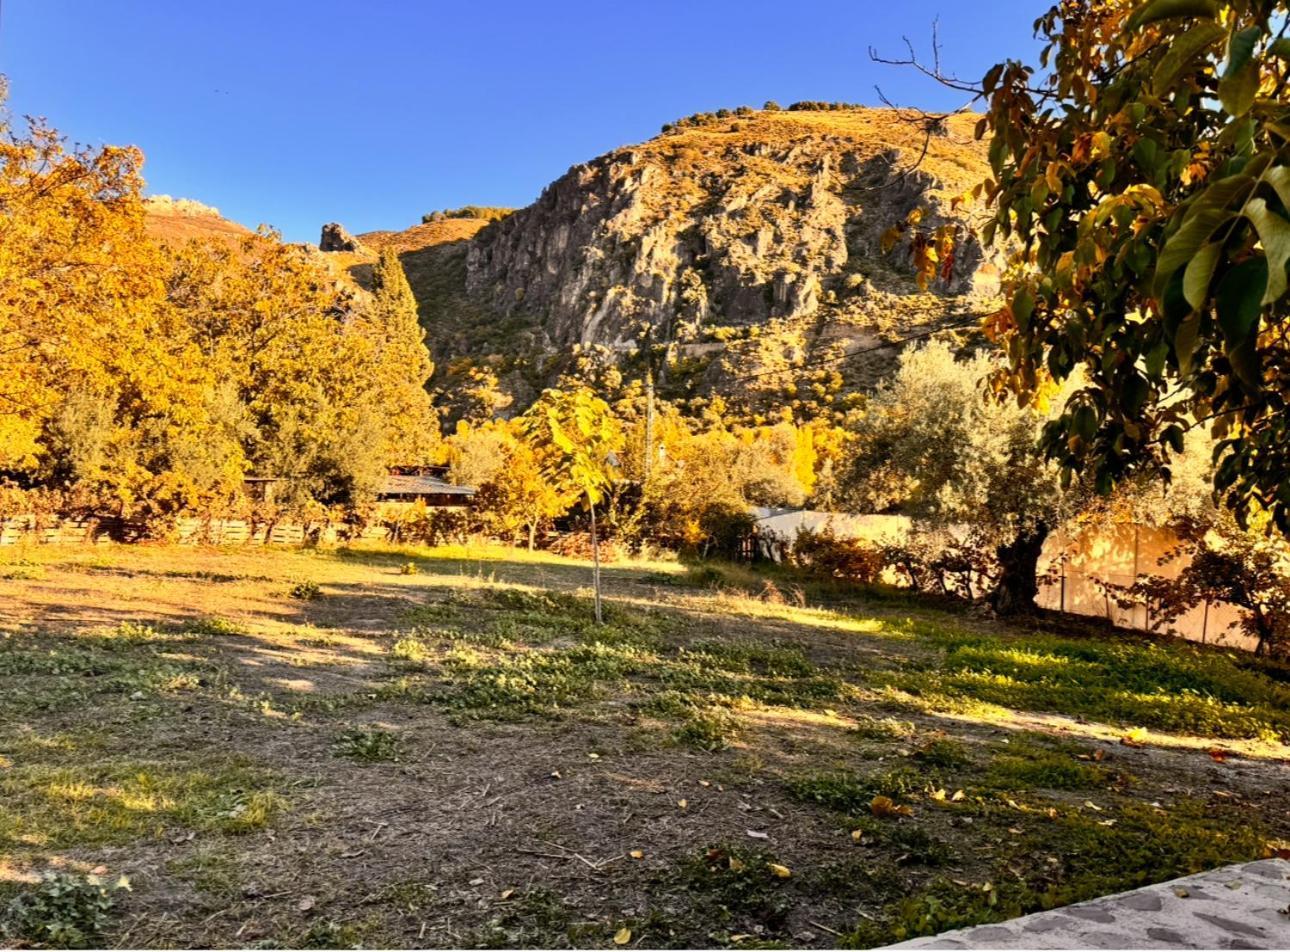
(749,245)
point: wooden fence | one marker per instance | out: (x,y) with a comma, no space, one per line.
(90,530)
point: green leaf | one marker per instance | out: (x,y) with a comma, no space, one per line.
(1239,296)
(1205,213)
(1186,242)
(1185,342)
(1240,48)
(1166,9)
(1274,232)
(1136,391)
(1200,271)
(1023,305)
(1280,48)
(1084,422)
(1279,178)
(1236,91)
(1181,52)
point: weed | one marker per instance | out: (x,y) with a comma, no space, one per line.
(1025,766)
(851,793)
(63,910)
(306,591)
(737,890)
(882,728)
(1077,857)
(710,729)
(368,745)
(409,568)
(941,752)
(213,626)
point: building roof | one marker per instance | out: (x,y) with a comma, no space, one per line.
(397,485)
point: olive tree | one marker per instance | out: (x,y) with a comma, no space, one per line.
(934,445)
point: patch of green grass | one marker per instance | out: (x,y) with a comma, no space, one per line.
(1077,857)
(882,728)
(1122,680)
(368,745)
(709,729)
(118,801)
(213,626)
(941,752)
(731,889)
(852,793)
(536,682)
(1028,766)
(915,846)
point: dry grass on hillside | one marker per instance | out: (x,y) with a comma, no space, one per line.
(956,159)
(437,747)
(170,225)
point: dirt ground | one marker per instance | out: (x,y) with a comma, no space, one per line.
(426,748)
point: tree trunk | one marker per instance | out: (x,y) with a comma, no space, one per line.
(595,562)
(1018,570)
(532,536)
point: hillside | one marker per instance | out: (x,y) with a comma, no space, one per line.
(749,245)
(178,220)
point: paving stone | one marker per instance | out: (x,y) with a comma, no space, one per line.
(1236,907)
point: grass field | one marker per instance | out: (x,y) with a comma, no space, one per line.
(416,747)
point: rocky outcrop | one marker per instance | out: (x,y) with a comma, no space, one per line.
(335,238)
(777,217)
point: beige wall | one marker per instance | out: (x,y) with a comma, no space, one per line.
(1119,556)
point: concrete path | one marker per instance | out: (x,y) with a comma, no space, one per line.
(1236,907)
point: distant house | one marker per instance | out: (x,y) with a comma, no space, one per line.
(425,484)
(425,487)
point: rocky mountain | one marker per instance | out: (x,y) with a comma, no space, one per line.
(749,245)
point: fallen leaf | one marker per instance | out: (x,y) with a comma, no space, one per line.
(1135,738)
(758,834)
(1015,830)
(1276,849)
(555,774)
(622,936)
(507,894)
(736,865)
(1092,806)
(783,872)
(857,836)
(938,794)
(705,783)
(1099,754)
(593,756)
(1180,892)
(637,854)
(1219,755)
(885,806)
(305,904)
(958,795)
(682,803)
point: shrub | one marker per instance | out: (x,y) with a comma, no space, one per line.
(306,591)
(825,553)
(771,106)
(63,911)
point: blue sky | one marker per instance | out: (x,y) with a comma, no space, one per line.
(297,112)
